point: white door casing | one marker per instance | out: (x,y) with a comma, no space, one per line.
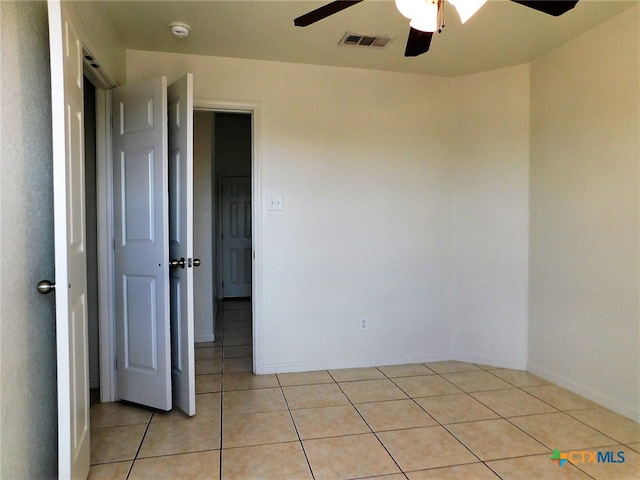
(70,245)
(236,236)
(141,250)
(180,109)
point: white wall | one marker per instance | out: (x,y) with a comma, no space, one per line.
(584,328)
(204,289)
(361,159)
(491,198)
(27,327)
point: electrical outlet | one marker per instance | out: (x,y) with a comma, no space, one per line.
(364,324)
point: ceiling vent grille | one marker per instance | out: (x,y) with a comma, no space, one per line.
(364,40)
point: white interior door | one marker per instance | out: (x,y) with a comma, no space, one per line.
(70,245)
(180,97)
(141,228)
(236,236)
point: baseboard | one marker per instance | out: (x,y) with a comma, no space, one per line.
(585,392)
(205,338)
(492,362)
(340,364)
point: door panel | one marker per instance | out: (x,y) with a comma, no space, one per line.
(180,98)
(236,236)
(141,212)
(70,245)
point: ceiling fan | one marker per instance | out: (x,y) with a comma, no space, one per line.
(426,16)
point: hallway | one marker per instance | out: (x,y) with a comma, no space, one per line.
(423,421)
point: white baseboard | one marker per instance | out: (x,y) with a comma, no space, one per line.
(204,338)
(340,364)
(585,392)
(493,362)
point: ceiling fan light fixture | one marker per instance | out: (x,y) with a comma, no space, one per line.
(427,19)
(422,13)
(467,8)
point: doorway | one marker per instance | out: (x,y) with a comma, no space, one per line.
(91,228)
(223,156)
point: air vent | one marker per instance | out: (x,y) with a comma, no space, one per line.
(364,40)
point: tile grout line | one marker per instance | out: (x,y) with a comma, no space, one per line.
(304,451)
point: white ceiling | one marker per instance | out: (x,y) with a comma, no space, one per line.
(501,34)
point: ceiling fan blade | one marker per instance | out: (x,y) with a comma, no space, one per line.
(417,43)
(555,8)
(323,12)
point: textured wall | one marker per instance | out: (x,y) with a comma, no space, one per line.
(27,323)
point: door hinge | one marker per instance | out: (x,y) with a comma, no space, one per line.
(116,364)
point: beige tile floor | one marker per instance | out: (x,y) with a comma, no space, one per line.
(443,420)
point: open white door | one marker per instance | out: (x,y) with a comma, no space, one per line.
(180,96)
(141,256)
(70,247)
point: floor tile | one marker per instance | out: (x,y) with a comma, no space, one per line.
(345,457)
(205,367)
(257,429)
(605,470)
(425,447)
(304,378)
(208,383)
(118,414)
(265,462)
(235,365)
(248,381)
(622,429)
(518,378)
(236,352)
(394,415)
(496,439)
(310,396)
(353,374)
(115,444)
(409,370)
(451,366)
(372,391)
(207,406)
(425,386)
(559,430)
(539,467)
(393,476)
(512,402)
(328,422)
(200,465)
(110,471)
(635,446)
(208,353)
(191,435)
(560,398)
(471,471)
(476,381)
(252,401)
(455,408)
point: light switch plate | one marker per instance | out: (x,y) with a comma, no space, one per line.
(274,202)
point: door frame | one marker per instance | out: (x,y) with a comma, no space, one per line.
(106,274)
(254,109)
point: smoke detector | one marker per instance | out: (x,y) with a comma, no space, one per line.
(180,29)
